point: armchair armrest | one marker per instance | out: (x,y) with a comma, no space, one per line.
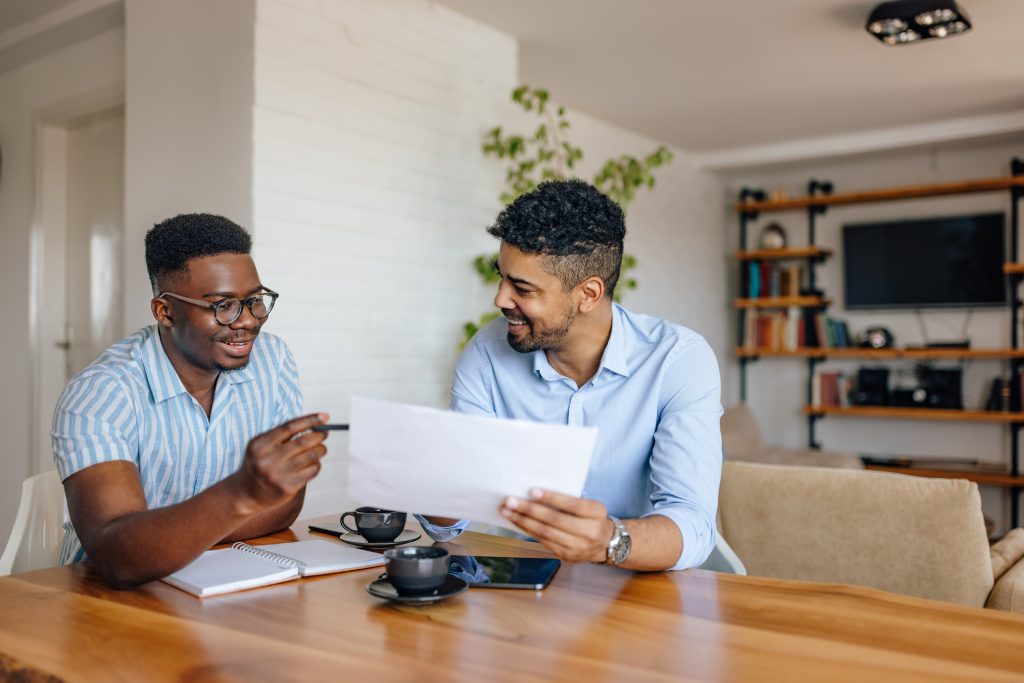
(1008,572)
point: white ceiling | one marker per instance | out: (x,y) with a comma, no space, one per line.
(728,74)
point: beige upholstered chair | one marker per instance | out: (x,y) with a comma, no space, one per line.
(741,440)
(909,535)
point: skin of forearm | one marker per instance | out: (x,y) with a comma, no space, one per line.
(656,543)
(143,546)
(269,521)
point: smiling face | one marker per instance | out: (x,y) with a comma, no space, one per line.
(539,311)
(193,334)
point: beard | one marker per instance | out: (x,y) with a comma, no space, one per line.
(550,339)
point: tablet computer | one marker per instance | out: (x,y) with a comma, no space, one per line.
(504,572)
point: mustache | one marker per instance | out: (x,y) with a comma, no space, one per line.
(236,338)
(511,313)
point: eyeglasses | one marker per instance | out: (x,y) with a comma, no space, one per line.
(228,311)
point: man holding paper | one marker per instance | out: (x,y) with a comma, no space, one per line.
(565,353)
(188,432)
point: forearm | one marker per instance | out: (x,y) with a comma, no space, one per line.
(149,544)
(656,543)
(269,521)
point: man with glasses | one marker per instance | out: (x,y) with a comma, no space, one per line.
(188,432)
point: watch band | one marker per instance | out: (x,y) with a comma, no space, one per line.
(620,543)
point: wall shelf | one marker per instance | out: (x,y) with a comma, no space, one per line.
(783,254)
(1013,268)
(886,354)
(912,192)
(782,302)
(1004,479)
(899,413)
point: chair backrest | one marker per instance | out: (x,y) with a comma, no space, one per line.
(38,528)
(741,437)
(909,535)
(723,558)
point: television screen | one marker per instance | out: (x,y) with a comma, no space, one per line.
(919,263)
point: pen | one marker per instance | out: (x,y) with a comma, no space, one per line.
(330,427)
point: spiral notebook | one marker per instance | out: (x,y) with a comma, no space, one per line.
(244,566)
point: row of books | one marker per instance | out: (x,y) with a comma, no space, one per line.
(770,279)
(791,329)
(831,389)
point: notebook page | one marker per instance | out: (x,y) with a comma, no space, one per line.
(323,557)
(223,571)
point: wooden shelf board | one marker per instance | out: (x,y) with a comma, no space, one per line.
(781,254)
(782,302)
(913,192)
(1013,268)
(886,354)
(979,477)
(890,412)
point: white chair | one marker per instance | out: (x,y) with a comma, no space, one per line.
(724,559)
(39,527)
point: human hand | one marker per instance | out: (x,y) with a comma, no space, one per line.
(277,464)
(575,529)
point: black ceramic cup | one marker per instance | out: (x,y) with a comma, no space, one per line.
(376,525)
(416,570)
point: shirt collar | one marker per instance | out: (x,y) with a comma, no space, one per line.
(163,379)
(614,357)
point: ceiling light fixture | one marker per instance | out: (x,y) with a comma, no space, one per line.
(899,22)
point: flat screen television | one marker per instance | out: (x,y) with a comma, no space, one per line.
(951,262)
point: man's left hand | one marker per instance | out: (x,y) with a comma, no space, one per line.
(575,529)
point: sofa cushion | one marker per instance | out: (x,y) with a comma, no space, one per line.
(909,535)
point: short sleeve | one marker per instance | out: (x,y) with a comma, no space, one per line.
(289,394)
(94,422)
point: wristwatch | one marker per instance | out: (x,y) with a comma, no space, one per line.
(620,545)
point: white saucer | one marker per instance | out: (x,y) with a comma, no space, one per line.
(407,536)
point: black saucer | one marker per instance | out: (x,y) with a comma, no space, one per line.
(407,536)
(382,588)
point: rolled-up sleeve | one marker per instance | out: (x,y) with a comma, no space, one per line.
(686,461)
(93,422)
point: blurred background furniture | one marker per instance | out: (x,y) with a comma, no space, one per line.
(38,530)
(909,535)
(742,440)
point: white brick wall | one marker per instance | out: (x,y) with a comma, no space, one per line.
(371,197)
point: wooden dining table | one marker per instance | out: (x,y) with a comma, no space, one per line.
(593,624)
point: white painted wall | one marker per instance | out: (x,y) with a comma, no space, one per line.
(50,89)
(776,387)
(371,198)
(188,122)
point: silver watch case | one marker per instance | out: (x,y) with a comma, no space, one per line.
(620,544)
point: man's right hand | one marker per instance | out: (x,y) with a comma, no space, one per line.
(278,464)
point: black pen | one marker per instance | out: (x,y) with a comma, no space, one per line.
(330,428)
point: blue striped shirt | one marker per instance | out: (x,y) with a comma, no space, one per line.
(655,401)
(130,405)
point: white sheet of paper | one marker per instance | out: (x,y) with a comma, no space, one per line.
(435,462)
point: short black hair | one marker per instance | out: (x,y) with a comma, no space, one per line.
(578,229)
(171,244)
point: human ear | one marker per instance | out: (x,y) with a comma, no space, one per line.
(161,312)
(591,293)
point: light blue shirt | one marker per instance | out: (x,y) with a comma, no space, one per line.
(130,405)
(655,401)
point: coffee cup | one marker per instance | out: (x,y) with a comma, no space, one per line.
(416,570)
(375,525)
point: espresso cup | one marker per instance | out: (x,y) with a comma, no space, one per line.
(416,570)
(376,525)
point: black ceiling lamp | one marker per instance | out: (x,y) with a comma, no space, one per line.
(909,21)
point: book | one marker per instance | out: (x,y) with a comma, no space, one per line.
(244,566)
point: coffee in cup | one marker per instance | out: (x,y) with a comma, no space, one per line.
(375,524)
(416,570)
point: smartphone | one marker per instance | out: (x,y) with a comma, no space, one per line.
(483,571)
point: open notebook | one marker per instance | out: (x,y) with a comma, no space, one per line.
(244,566)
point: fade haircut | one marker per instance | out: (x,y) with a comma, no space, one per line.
(171,244)
(575,228)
